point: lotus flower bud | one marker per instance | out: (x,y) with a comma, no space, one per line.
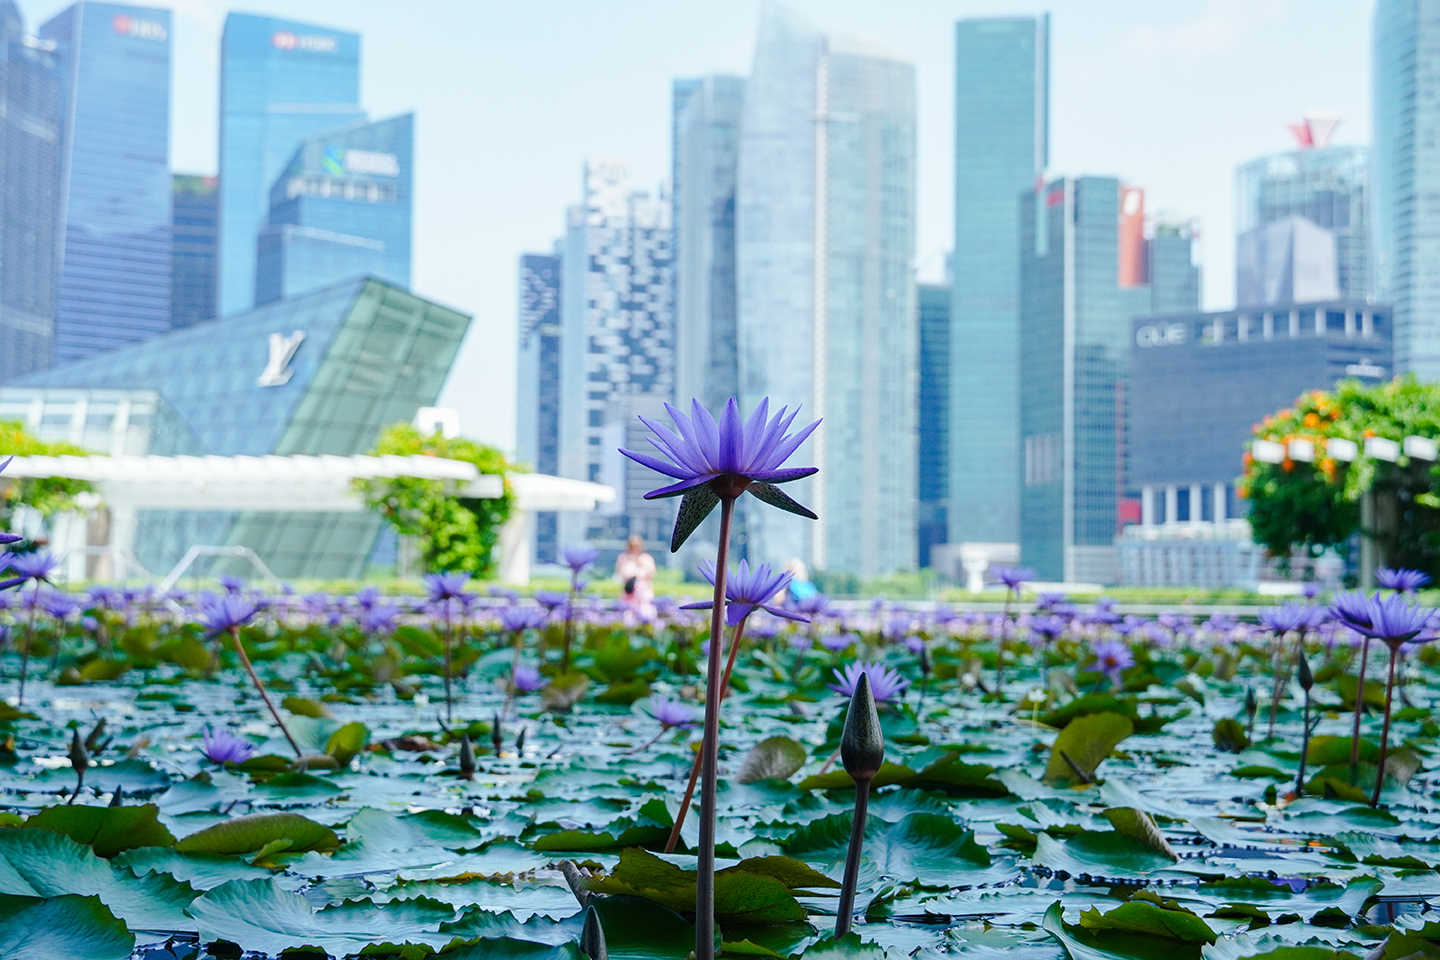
(862,744)
(467,757)
(497,735)
(1251,704)
(592,937)
(1307,679)
(79,759)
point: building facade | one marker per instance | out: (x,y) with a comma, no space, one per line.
(114,285)
(933,420)
(32,125)
(341,209)
(281,83)
(707,114)
(1084,277)
(319,374)
(1002,94)
(194,238)
(616,344)
(537,432)
(1405,175)
(825,238)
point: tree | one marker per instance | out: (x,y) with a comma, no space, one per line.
(455,533)
(45,495)
(1320,505)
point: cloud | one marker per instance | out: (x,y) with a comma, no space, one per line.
(1221,28)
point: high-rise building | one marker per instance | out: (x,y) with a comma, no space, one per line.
(1405,175)
(32,125)
(933,420)
(825,239)
(115,174)
(1084,280)
(281,82)
(537,433)
(340,209)
(1302,221)
(194,238)
(616,347)
(1002,84)
(706,117)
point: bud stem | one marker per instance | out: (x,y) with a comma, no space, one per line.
(845,912)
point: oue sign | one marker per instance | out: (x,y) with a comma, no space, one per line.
(1162,335)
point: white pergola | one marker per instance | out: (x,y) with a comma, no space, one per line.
(274,484)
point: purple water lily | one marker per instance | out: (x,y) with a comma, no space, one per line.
(36,566)
(578,557)
(445,586)
(885,683)
(671,713)
(747,589)
(1401,580)
(527,679)
(518,618)
(1013,577)
(1390,618)
(1112,658)
(1291,616)
(225,612)
(221,746)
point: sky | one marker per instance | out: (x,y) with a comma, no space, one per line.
(510,98)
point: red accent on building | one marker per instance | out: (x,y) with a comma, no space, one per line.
(1132,259)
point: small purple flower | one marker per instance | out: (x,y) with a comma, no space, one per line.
(231,584)
(671,713)
(1014,577)
(578,557)
(1310,590)
(914,644)
(550,599)
(527,679)
(747,589)
(445,586)
(367,597)
(886,684)
(221,746)
(1290,616)
(836,642)
(1047,627)
(226,612)
(1112,657)
(519,618)
(701,452)
(35,566)
(1402,581)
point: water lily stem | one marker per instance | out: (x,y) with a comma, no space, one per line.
(448,717)
(1385,729)
(255,678)
(846,910)
(1359,708)
(1304,748)
(29,639)
(710,751)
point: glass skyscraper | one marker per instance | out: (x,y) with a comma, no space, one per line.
(825,238)
(115,173)
(340,209)
(195,240)
(1002,92)
(706,150)
(1082,284)
(32,115)
(537,429)
(281,82)
(933,419)
(1405,177)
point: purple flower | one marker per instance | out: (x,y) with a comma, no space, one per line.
(747,589)
(1391,618)
(1047,627)
(579,557)
(1291,616)
(367,597)
(226,612)
(671,713)
(445,586)
(886,684)
(5,560)
(914,644)
(1311,589)
(815,605)
(702,453)
(836,642)
(1403,581)
(221,746)
(231,584)
(1352,608)
(550,599)
(527,679)
(34,566)
(519,618)
(1014,577)
(380,618)
(1112,657)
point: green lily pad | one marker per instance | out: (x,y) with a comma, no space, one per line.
(249,834)
(61,928)
(106,830)
(772,758)
(1084,743)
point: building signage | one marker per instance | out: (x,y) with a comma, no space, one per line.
(1364,369)
(140,28)
(282,351)
(1162,335)
(339,161)
(310,43)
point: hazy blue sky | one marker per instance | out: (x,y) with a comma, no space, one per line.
(512,96)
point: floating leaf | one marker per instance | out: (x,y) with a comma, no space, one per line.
(348,741)
(1084,743)
(1137,825)
(249,834)
(61,928)
(1146,913)
(106,830)
(1229,735)
(774,757)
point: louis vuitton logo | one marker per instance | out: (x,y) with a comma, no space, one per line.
(282,350)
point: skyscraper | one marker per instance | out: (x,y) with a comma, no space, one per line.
(340,209)
(616,347)
(1083,281)
(32,118)
(115,175)
(1405,175)
(195,239)
(706,151)
(281,83)
(825,236)
(537,431)
(933,419)
(1002,83)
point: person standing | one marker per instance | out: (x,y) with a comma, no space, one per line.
(635,569)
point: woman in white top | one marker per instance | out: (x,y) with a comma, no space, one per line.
(635,569)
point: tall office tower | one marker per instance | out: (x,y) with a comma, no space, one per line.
(194,237)
(281,83)
(616,349)
(340,209)
(32,114)
(1082,281)
(1406,37)
(1173,277)
(706,150)
(933,419)
(537,432)
(1002,96)
(1302,221)
(825,238)
(115,176)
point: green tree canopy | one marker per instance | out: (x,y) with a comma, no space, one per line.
(45,495)
(455,533)
(1315,506)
